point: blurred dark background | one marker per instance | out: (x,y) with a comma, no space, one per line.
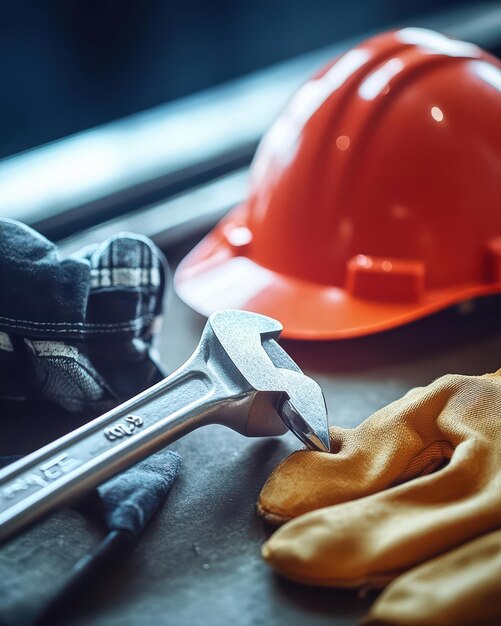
(68,65)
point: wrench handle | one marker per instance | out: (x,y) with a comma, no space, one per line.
(89,455)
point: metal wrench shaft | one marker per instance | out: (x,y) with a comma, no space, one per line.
(89,455)
(211,387)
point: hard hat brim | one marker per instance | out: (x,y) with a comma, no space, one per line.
(214,277)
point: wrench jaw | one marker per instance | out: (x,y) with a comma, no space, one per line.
(263,419)
(313,433)
(231,326)
(271,414)
(254,415)
(278,396)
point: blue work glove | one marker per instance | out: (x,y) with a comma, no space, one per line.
(79,331)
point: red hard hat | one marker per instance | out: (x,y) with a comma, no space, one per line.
(375,198)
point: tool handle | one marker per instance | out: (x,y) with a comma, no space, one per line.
(87,573)
(34,485)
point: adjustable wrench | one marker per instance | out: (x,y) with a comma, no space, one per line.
(238,376)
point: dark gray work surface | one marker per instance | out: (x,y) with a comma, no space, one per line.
(199,562)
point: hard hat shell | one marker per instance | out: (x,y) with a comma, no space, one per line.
(374,199)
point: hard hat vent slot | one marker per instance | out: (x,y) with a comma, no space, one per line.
(385,279)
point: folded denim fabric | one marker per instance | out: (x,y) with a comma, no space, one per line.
(79,331)
(130,499)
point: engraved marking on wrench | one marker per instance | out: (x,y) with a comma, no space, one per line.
(124,430)
(46,473)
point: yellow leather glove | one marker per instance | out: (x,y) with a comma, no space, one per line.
(460,587)
(416,480)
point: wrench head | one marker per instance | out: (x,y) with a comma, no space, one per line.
(281,393)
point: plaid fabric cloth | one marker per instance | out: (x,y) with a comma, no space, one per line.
(78,331)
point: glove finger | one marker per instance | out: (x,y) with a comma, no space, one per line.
(461,587)
(393,445)
(374,539)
